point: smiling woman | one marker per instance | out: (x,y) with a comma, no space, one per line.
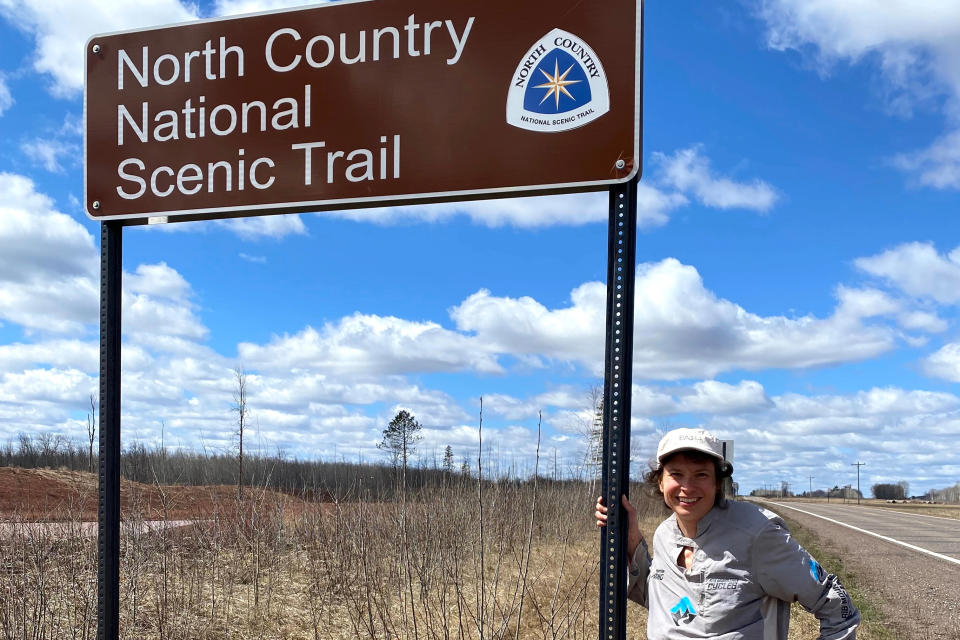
(721,568)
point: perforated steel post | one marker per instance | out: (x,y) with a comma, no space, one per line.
(617,385)
(108,516)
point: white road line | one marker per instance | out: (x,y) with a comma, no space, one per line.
(875,535)
(909,513)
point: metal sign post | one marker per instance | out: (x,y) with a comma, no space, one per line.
(617,386)
(108,513)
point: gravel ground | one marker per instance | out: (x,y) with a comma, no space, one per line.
(919,595)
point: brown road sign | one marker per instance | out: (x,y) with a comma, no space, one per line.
(363,103)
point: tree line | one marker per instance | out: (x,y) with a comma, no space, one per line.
(312,479)
(150,465)
(891,491)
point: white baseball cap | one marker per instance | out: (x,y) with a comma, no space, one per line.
(691,440)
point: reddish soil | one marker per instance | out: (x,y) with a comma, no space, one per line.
(45,494)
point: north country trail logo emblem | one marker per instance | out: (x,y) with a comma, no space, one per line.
(683,611)
(559,85)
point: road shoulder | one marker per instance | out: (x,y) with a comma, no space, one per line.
(916,594)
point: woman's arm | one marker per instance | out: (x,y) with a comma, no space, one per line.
(786,571)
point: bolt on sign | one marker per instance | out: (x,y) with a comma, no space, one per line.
(362,103)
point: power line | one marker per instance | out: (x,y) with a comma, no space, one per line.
(858,464)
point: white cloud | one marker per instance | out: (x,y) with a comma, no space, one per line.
(509,407)
(361,344)
(48,153)
(569,410)
(689,171)
(917,48)
(318,392)
(158,280)
(945,363)
(685,173)
(681,329)
(48,262)
(276,226)
(653,208)
(914,47)
(47,385)
(58,149)
(937,166)
(873,402)
(238,7)
(864,303)
(922,321)
(49,283)
(718,397)
(820,435)
(800,435)
(61,28)
(918,270)
(525,326)
(59,354)
(152,321)
(576,415)
(252,228)
(650,401)
(6,98)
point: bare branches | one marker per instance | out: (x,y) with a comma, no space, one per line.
(91,429)
(533,518)
(240,408)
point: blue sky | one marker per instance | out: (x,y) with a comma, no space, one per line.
(797,282)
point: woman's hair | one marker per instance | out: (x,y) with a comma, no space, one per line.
(722,471)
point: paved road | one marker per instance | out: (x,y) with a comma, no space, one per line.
(932,535)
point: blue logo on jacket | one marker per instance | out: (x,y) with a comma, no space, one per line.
(683,611)
(815,570)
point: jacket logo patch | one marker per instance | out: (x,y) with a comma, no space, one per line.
(683,611)
(658,574)
(720,585)
(815,570)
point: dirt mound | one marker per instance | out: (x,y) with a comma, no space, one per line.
(48,494)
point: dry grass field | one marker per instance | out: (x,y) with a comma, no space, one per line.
(505,560)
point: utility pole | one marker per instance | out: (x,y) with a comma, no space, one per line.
(858,464)
(811,484)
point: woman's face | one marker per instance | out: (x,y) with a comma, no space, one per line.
(689,488)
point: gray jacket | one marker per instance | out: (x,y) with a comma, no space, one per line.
(746,571)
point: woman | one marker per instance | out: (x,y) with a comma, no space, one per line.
(722,569)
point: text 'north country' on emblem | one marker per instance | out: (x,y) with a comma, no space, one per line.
(558,85)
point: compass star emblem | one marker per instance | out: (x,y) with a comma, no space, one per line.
(556,84)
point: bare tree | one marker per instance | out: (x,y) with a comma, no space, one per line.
(905,485)
(91,429)
(592,430)
(240,408)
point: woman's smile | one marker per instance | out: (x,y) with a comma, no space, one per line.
(689,488)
